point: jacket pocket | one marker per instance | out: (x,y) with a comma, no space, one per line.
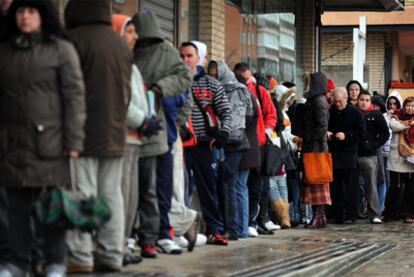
(49,143)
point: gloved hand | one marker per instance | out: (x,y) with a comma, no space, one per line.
(151,126)
(221,139)
(185,133)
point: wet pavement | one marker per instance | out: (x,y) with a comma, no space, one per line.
(362,249)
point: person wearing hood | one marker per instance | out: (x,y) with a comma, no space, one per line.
(354,88)
(241,106)
(399,200)
(375,136)
(345,130)
(202,52)
(107,71)
(42,116)
(210,103)
(316,118)
(392,104)
(140,124)
(165,75)
(282,99)
(266,123)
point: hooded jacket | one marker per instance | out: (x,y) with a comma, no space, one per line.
(267,113)
(316,115)
(138,106)
(42,110)
(106,64)
(161,66)
(396,95)
(240,103)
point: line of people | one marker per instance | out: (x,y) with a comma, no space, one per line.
(155,131)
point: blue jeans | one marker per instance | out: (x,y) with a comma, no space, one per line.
(278,188)
(242,199)
(227,184)
(382,191)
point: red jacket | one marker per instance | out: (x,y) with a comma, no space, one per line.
(268,118)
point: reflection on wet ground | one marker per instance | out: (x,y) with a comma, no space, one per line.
(353,250)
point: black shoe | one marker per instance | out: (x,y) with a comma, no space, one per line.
(131,259)
(262,230)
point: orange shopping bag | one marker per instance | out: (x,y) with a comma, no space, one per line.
(317,168)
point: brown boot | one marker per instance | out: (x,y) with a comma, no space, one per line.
(285,219)
(281,211)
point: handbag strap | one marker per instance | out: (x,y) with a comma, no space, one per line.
(73,174)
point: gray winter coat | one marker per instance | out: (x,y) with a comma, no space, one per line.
(42,112)
(240,105)
(316,115)
(160,65)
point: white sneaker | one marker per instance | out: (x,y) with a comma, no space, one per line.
(271,226)
(376,220)
(181,241)
(201,240)
(168,246)
(253,232)
(131,244)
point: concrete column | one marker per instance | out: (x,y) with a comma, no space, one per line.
(305,14)
(212,27)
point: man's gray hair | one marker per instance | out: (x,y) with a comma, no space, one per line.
(341,90)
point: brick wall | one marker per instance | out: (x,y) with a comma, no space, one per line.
(212,27)
(336,43)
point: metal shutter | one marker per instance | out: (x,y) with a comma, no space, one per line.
(165,11)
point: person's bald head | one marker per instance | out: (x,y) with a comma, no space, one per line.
(340,98)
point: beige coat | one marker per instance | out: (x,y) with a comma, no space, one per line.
(396,162)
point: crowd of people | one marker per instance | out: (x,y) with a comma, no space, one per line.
(178,147)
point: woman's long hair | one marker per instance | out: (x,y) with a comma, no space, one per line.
(51,25)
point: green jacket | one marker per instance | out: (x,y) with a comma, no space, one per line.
(160,65)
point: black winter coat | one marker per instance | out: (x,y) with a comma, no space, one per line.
(42,111)
(316,115)
(350,122)
(377,134)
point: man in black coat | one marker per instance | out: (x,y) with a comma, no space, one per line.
(376,135)
(345,130)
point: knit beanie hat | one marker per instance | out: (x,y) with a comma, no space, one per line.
(331,85)
(119,23)
(272,83)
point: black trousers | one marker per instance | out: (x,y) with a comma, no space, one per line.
(344,192)
(4,244)
(21,234)
(400,196)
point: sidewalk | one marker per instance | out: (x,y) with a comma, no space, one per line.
(353,250)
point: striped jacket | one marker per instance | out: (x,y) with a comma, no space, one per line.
(209,93)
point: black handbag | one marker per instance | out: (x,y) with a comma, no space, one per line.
(273,160)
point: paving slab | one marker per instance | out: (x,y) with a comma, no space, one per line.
(362,249)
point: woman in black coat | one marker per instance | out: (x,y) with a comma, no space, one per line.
(42,114)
